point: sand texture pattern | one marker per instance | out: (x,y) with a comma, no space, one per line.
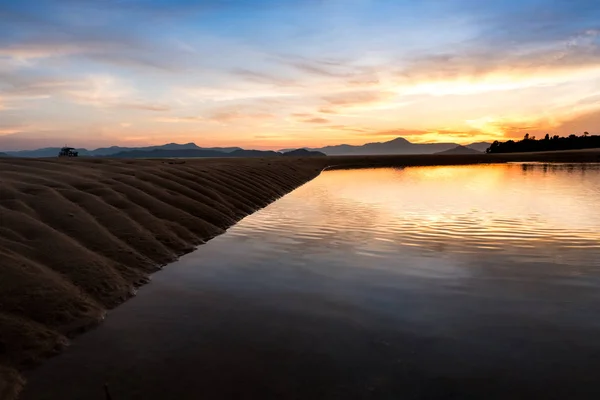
(78,236)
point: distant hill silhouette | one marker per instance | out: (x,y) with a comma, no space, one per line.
(44,152)
(395,146)
(460,150)
(253,153)
(107,151)
(554,143)
(4,155)
(304,153)
(479,146)
(192,153)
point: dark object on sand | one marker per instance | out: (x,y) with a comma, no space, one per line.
(68,152)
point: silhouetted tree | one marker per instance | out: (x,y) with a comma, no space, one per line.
(548,143)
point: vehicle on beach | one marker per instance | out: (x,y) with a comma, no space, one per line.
(68,152)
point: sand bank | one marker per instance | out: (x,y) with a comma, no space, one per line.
(78,236)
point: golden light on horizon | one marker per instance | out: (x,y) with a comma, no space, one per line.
(285,89)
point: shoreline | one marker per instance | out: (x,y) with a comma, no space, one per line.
(79,236)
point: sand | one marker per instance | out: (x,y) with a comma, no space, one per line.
(78,236)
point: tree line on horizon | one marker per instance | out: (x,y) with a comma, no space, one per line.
(548,143)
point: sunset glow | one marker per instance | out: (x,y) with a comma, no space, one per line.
(279,74)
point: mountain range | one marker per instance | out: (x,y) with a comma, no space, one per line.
(460,150)
(395,146)
(193,153)
(113,150)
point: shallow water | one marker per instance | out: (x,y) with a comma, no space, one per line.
(433,282)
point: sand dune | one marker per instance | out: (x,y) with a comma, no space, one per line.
(78,236)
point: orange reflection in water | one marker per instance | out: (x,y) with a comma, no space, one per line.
(526,211)
(560,198)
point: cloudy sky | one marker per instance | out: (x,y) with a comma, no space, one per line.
(282,73)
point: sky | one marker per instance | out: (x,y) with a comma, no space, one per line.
(271,74)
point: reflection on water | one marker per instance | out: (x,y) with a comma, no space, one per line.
(512,210)
(434,282)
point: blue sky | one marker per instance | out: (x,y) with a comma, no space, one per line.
(272,74)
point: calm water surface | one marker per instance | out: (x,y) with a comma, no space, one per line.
(436,282)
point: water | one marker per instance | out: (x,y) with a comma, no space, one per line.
(435,282)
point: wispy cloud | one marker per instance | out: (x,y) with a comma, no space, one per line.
(517,66)
(9,128)
(228,115)
(177,120)
(102,91)
(359,99)
(316,120)
(263,77)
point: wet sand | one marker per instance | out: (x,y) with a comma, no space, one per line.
(77,237)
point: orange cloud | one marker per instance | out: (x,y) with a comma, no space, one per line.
(226,116)
(327,111)
(347,128)
(358,98)
(38,50)
(574,53)
(144,106)
(180,119)
(316,120)
(9,130)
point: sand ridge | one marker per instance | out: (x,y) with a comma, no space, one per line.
(78,236)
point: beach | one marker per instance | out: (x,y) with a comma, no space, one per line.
(77,237)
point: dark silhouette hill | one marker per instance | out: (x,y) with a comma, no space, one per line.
(43,152)
(107,151)
(460,150)
(4,155)
(395,146)
(252,153)
(479,146)
(304,153)
(192,153)
(554,143)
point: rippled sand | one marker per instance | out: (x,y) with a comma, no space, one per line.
(77,237)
